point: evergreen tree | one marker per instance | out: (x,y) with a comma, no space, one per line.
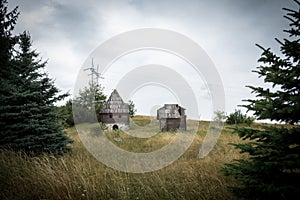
(28,119)
(88,98)
(7,43)
(132,109)
(67,114)
(272,169)
(7,40)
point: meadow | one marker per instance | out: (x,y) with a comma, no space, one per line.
(79,175)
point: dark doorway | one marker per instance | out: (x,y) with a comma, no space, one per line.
(115,127)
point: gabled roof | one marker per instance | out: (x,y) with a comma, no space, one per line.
(115,104)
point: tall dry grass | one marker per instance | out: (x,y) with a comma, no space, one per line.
(78,175)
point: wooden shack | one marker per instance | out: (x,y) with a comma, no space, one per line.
(171,117)
(115,113)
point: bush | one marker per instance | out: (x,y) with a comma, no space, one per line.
(238,118)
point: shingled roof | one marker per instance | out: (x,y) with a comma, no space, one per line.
(115,104)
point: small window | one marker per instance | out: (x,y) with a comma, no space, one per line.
(110,116)
(120,116)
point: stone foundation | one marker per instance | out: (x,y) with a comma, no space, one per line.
(113,126)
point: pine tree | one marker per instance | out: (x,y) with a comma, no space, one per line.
(132,109)
(28,119)
(7,40)
(7,74)
(272,170)
(7,43)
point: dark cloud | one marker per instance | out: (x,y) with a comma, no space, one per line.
(67,31)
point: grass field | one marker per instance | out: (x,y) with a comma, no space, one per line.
(78,175)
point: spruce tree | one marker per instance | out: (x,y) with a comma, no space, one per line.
(272,170)
(7,39)
(7,74)
(7,43)
(28,119)
(132,109)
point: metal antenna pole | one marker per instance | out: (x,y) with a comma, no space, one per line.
(92,69)
(95,75)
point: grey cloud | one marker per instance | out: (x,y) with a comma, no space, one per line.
(227,30)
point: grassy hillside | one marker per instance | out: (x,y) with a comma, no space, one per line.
(78,175)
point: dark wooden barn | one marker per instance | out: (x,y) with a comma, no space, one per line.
(115,113)
(171,117)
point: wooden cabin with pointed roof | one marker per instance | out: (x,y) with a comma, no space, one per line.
(115,113)
(171,117)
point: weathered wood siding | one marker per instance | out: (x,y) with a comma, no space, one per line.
(171,117)
(119,118)
(115,111)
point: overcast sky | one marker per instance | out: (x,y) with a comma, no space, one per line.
(67,32)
